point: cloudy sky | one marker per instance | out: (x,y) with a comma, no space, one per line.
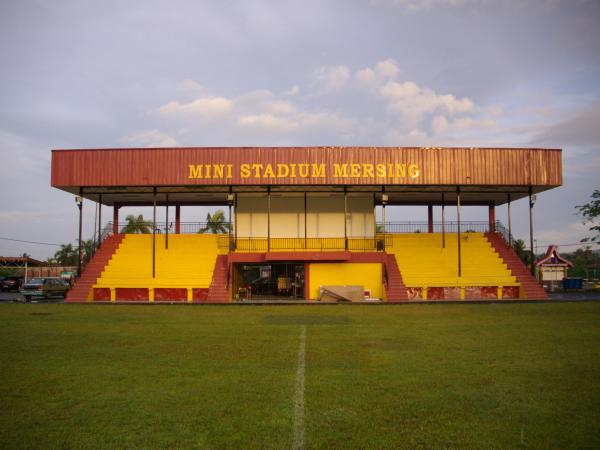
(255,73)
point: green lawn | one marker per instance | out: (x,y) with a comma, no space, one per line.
(411,376)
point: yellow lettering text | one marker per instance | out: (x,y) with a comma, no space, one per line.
(245,170)
(401,170)
(269,171)
(303,170)
(195,171)
(283,170)
(318,170)
(256,168)
(413,171)
(340,170)
(218,170)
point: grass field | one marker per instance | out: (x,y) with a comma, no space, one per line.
(413,376)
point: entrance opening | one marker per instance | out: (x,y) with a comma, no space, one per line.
(268,281)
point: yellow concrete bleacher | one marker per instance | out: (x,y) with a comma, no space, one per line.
(424,263)
(188,263)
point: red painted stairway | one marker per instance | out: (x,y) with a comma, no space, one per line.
(395,289)
(533,289)
(218,291)
(94,268)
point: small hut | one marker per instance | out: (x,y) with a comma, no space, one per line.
(552,268)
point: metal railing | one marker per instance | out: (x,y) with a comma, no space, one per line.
(423,227)
(262,244)
(184,227)
(246,244)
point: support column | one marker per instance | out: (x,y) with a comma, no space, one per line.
(509,221)
(458,229)
(384,199)
(80,206)
(268,218)
(345,218)
(443,223)
(305,222)
(167,222)
(430,218)
(531,203)
(116,219)
(177,219)
(100,220)
(492,217)
(154,233)
(235,217)
(230,198)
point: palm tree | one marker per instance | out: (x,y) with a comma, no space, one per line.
(519,246)
(51,261)
(66,256)
(137,225)
(216,223)
(87,251)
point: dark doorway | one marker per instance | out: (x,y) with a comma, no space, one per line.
(268,281)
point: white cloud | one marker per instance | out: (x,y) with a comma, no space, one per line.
(413,107)
(366,76)
(149,138)
(192,85)
(333,77)
(257,111)
(384,70)
(387,68)
(411,100)
(267,122)
(264,101)
(439,124)
(293,91)
(402,108)
(204,106)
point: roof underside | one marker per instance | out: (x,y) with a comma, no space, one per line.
(217,195)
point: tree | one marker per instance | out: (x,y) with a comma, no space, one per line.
(66,256)
(519,246)
(25,255)
(591,213)
(585,261)
(87,251)
(137,225)
(216,223)
(51,261)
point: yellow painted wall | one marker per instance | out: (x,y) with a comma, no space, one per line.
(324,218)
(346,274)
(361,220)
(251,215)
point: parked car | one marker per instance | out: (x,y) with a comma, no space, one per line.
(11,283)
(44,287)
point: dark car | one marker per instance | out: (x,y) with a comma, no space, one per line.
(11,283)
(45,287)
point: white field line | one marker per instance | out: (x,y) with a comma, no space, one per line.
(298,441)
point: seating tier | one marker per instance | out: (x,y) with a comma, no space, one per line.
(424,262)
(188,262)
